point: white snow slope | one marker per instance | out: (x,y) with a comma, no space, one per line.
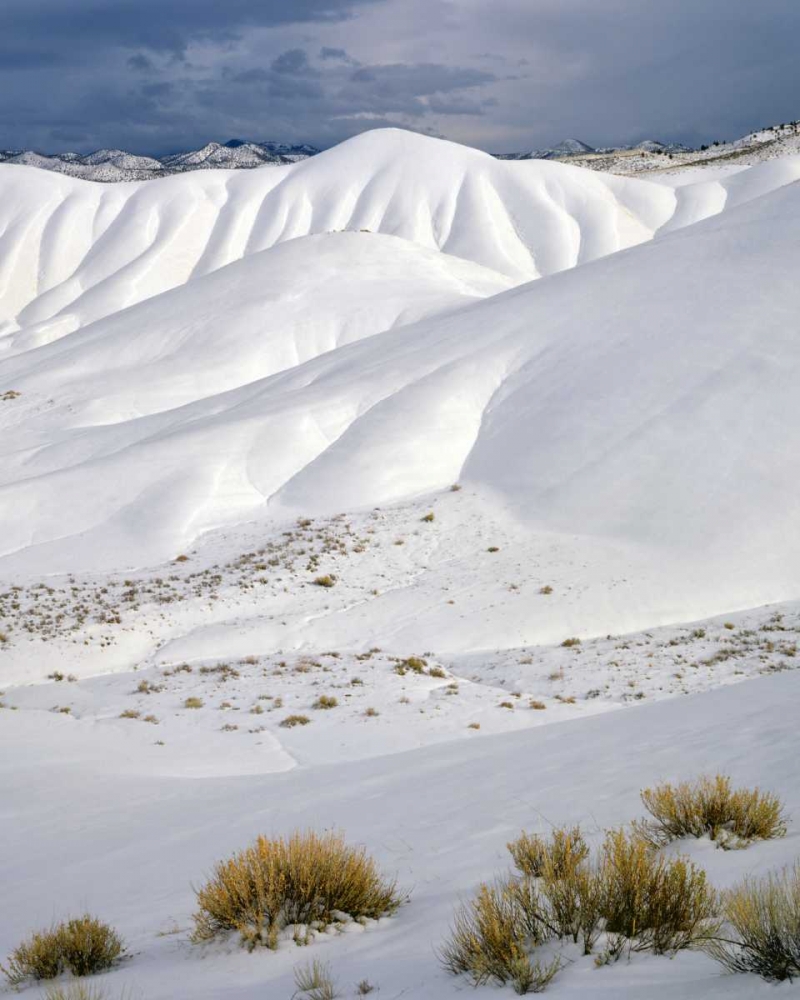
(646,399)
(72,251)
(217,388)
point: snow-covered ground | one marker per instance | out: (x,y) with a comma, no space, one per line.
(498,407)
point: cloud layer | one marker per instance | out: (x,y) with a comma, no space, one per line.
(159,75)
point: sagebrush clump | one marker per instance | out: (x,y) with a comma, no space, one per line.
(640,900)
(82,945)
(308,879)
(711,807)
(326,701)
(659,904)
(562,850)
(491,938)
(762,935)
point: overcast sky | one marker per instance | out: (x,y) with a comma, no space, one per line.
(157,76)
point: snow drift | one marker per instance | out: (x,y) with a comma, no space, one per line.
(73,251)
(647,399)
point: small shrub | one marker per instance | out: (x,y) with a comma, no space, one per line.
(568,643)
(493,548)
(371,713)
(129,713)
(490,939)
(506,704)
(474,725)
(306,879)
(710,806)
(547,589)
(665,904)
(295,720)
(364,988)
(436,672)
(641,900)
(193,703)
(326,701)
(538,706)
(565,849)
(82,946)
(325,581)
(763,933)
(314,981)
(428,518)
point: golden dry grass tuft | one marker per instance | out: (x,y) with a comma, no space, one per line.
(711,807)
(314,982)
(79,991)
(326,701)
(306,879)
(294,720)
(81,945)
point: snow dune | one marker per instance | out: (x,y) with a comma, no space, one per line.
(646,400)
(262,314)
(72,252)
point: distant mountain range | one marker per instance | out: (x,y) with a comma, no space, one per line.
(574,147)
(240,154)
(119,165)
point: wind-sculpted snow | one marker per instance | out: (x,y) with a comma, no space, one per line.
(647,400)
(73,252)
(262,314)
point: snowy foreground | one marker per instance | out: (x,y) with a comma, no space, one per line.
(266,435)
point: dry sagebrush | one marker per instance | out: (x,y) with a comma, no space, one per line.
(659,904)
(562,851)
(711,807)
(82,946)
(762,932)
(492,937)
(639,899)
(307,879)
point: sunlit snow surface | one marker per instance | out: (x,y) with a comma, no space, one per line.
(217,388)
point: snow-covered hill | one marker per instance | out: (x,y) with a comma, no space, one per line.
(264,434)
(71,252)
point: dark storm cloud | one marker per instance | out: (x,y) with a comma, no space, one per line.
(326,52)
(159,75)
(293,61)
(155,24)
(415,80)
(140,62)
